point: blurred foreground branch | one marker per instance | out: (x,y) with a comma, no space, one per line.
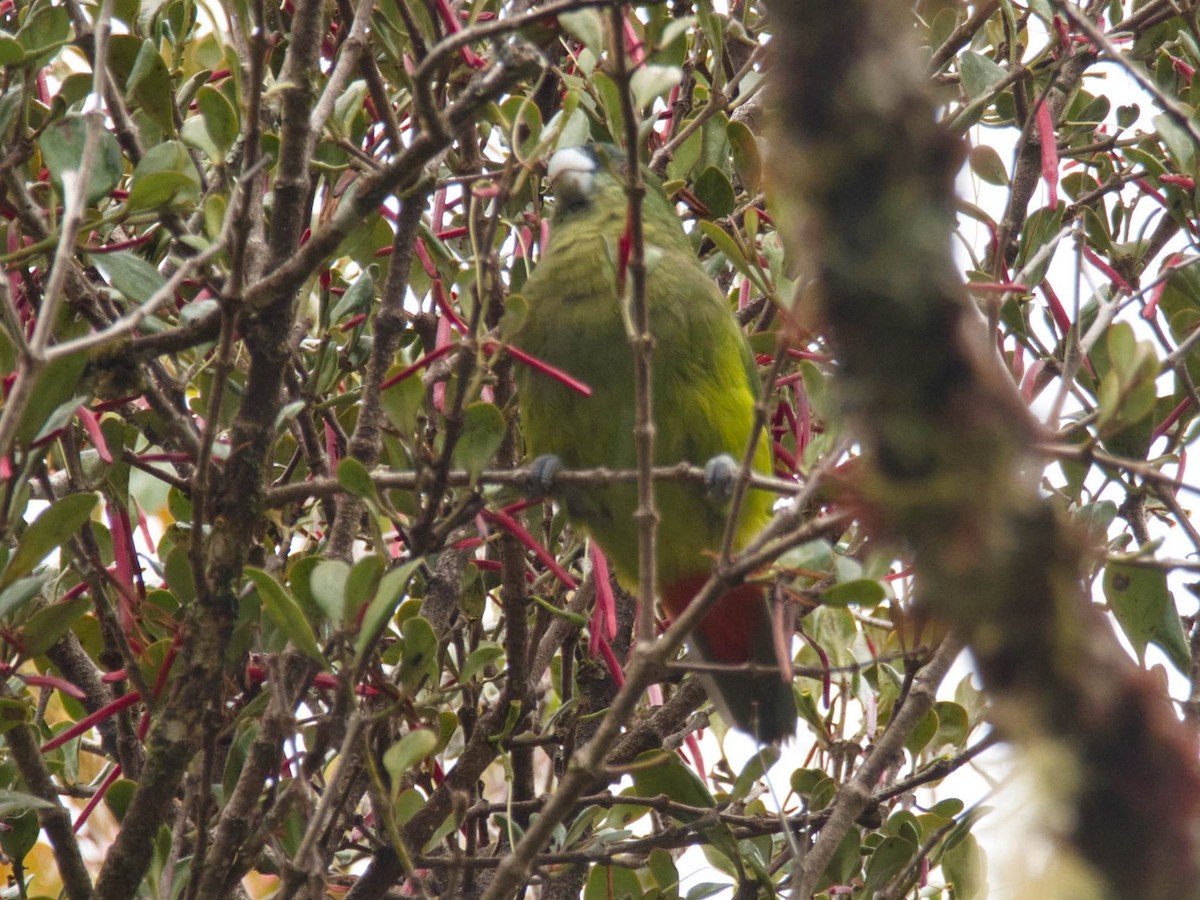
(865,179)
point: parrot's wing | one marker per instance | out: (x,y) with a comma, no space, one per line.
(708,382)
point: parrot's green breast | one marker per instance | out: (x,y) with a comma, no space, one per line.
(703,394)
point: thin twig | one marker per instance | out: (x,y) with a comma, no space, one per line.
(641,340)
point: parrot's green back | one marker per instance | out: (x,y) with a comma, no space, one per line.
(704,391)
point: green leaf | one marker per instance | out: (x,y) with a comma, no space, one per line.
(845,863)
(186,94)
(361,585)
(1127,115)
(418,656)
(1095,519)
(354,478)
(753,771)
(119,796)
(15,801)
(12,713)
(1146,611)
(523,120)
(220,118)
(575,130)
(402,401)
(179,576)
(859,592)
(978,73)
(20,832)
(903,823)
(1122,345)
(404,755)
(805,781)
(482,432)
(1178,142)
(747,159)
(610,101)
(890,856)
(942,26)
(730,250)
(612,883)
(194,133)
(480,658)
(149,87)
(18,594)
(987,164)
(384,604)
(11,51)
(918,739)
(285,613)
(1041,228)
(56,524)
(62,150)
(46,29)
(649,82)
(587,26)
(347,108)
(658,773)
(157,190)
(58,384)
(131,275)
(1127,392)
(953,725)
(714,190)
(965,868)
(712,24)
(970,698)
(663,871)
(49,623)
(123,50)
(357,298)
(407,805)
(327,585)
(165,177)
(62,414)
(686,157)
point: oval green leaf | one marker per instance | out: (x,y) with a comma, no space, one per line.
(56,525)
(285,613)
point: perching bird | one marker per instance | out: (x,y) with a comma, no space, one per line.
(704,388)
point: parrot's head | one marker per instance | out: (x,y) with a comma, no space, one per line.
(589,185)
(585,178)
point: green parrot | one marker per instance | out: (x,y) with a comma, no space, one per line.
(704,389)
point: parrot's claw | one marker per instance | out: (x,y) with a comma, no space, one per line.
(541,474)
(720,474)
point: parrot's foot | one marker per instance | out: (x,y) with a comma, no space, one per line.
(720,475)
(541,474)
